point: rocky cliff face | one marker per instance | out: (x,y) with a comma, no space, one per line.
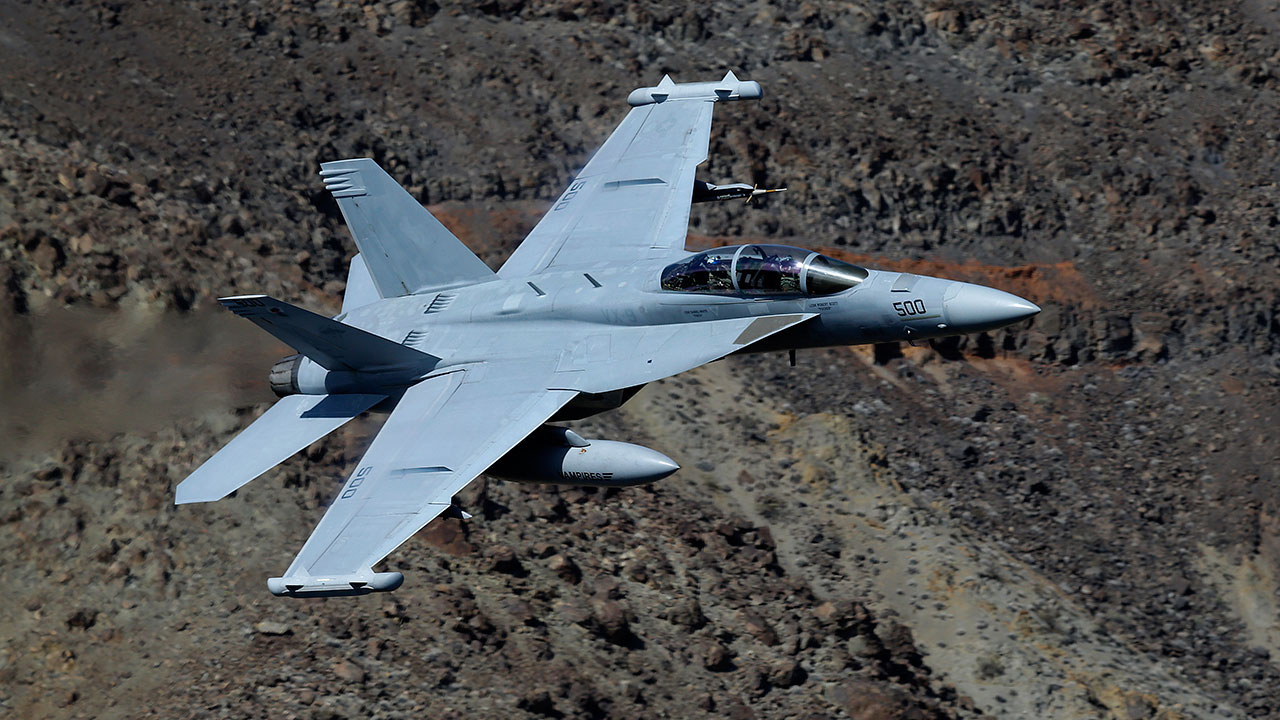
(1075,517)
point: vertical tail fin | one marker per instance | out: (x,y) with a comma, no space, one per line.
(360,289)
(404,247)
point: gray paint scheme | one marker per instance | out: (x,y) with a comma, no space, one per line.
(360,290)
(405,249)
(290,425)
(474,362)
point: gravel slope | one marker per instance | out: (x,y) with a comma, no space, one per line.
(1075,517)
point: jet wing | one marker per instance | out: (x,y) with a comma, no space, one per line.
(444,432)
(634,356)
(631,201)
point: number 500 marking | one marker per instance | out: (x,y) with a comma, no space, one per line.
(357,481)
(907,308)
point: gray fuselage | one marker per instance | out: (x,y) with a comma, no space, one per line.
(611,315)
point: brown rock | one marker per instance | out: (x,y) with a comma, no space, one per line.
(714,656)
(83,619)
(449,535)
(94,183)
(348,671)
(272,627)
(755,682)
(827,612)
(786,673)
(47,256)
(473,495)
(898,641)
(538,702)
(565,569)
(545,506)
(758,627)
(764,538)
(687,613)
(82,244)
(947,20)
(393,608)
(519,610)
(864,700)
(575,612)
(611,619)
(457,601)
(863,645)
(595,519)
(735,709)
(502,558)
(606,586)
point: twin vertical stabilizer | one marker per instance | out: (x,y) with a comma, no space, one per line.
(405,249)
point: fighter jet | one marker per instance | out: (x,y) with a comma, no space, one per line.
(600,299)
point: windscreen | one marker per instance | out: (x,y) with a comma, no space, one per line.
(828,275)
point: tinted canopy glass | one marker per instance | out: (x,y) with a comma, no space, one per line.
(706,272)
(769,269)
(761,270)
(825,275)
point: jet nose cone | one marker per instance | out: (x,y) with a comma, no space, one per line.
(973,308)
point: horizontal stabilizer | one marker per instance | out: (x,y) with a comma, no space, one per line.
(290,425)
(333,345)
(404,247)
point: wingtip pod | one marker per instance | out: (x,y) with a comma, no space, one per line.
(727,88)
(335,586)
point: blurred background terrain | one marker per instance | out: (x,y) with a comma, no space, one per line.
(1074,517)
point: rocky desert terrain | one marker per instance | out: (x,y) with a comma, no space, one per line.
(1076,517)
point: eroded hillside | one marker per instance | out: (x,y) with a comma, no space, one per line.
(1075,517)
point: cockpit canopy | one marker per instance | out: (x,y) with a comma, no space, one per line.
(761,270)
